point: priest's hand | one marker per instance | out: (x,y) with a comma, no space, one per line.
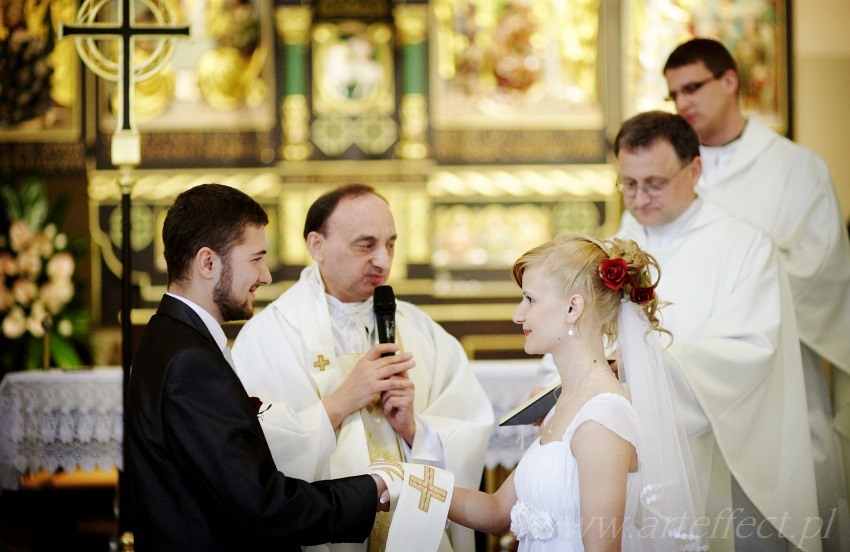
(398,409)
(371,376)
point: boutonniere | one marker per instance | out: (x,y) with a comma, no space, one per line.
(258,407)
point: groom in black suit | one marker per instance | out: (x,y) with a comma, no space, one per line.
(202,477)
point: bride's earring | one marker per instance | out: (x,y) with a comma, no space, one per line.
(571,331)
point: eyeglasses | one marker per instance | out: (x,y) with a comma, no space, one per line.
(653,187)
(689,89)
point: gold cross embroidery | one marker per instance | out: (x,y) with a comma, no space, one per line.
(321,363)
(427,488)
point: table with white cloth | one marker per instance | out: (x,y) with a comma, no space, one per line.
(55,419)
(52,420)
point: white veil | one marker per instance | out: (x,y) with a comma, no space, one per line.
(670,512)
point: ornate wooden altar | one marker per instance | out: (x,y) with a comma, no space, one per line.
(485,124)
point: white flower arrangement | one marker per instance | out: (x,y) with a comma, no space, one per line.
(37,289)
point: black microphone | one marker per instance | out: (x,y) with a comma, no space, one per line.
(384,305)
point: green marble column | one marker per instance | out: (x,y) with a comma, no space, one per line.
(293,26)
(412,28)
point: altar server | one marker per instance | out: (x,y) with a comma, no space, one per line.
(734,357)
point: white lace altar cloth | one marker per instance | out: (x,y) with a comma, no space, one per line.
(508,383)
(59,420)
(73,419)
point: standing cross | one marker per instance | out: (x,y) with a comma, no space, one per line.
(125,141)
(428,489)
(125,147)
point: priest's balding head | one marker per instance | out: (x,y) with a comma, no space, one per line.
(350,233)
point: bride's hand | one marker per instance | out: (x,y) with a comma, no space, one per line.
(392,475)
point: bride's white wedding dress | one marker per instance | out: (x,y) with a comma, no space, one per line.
(663,509)
(546,514)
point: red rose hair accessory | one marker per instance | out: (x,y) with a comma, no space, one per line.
(642,295)
(614,273)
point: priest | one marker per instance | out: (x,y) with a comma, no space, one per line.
(734,357)
(335,403)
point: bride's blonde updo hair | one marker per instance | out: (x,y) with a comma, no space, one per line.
(576,260)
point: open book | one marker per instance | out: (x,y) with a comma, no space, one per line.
(534,408)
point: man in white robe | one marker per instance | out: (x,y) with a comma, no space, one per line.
(298,352)
(734,357)
(785,190)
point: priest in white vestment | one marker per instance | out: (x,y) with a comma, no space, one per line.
(734,358)
(297,354)
(785,190)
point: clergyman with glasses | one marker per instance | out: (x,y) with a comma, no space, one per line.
(734,358)
(785,190)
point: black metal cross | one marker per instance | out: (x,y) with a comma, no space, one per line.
(126,30)
(125,152)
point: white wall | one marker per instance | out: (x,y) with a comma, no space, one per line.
(821,60)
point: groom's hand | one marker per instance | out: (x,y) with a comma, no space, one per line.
(392,475)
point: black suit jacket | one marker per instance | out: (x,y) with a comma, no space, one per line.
(201,474)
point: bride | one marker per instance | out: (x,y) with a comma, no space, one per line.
(606,471)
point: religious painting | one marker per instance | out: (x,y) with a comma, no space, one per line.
(353,88)
(509,64)
(754,31)
(38,74)
(217,88)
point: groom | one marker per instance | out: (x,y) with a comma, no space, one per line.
(201,474)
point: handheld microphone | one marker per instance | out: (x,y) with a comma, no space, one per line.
(384,305)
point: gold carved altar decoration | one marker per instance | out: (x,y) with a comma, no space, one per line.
(459,228)
(486,123)
(506,73)
(353,88)
(484,218)
(535,61)
(40,109)
(218,73)
(214,101)
(455,81)
(44,72)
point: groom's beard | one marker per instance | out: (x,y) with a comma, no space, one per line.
(228,305)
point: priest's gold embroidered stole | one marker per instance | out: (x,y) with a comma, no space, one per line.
(383,443)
